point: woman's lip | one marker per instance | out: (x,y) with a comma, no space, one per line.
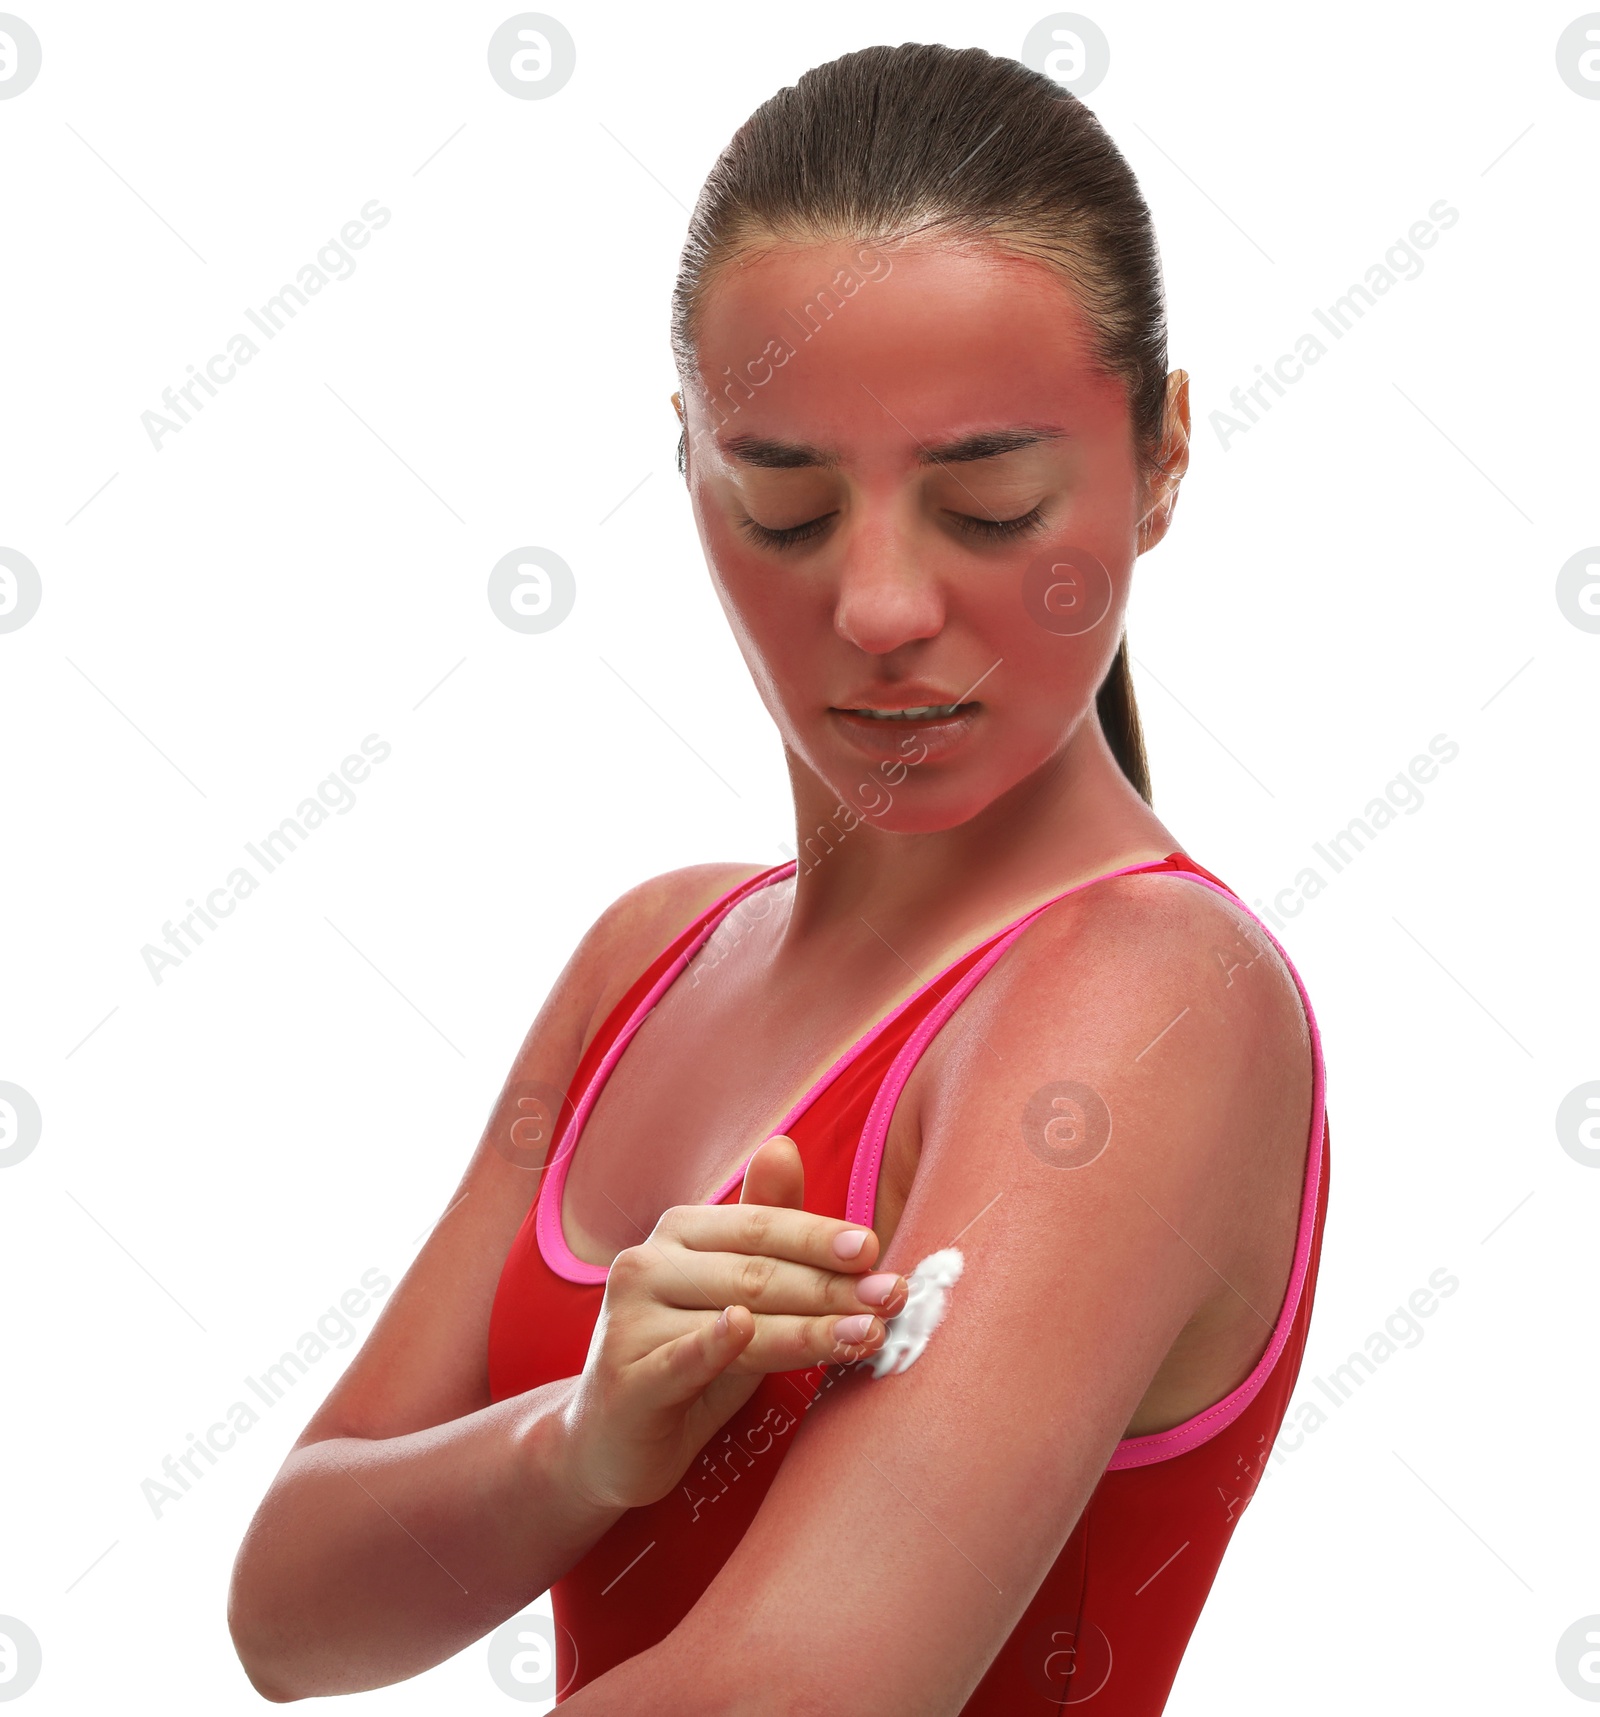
(889,717)
(937,736)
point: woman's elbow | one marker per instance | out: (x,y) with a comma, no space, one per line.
(249,1633)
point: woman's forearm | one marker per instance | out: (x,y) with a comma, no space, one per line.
(371,1560)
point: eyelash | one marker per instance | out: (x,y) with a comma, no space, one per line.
(1000,530)
(767,537)
(989,530)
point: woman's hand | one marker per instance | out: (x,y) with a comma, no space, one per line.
(696,1315)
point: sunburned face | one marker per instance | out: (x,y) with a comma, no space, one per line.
(903,512)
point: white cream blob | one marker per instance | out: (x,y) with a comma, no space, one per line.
(910,1328)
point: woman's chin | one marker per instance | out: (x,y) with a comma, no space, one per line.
(923,808)
(915,792)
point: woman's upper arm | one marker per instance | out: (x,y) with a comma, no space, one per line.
(944,1493)
(426,1359)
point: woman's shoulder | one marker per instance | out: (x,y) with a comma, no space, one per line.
(1154,937)
(640,923)
(1157,990)
(1145,1026)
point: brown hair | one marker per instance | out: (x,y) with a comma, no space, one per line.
(886,142)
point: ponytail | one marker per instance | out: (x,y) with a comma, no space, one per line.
(1119,721)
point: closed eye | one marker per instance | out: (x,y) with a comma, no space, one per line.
(1000,530)
(987,530)
(769,537)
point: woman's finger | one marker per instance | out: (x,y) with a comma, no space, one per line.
(677,1371)
(676,1281)
(773,1231)
(775,1175)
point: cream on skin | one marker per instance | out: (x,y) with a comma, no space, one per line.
(911,1328)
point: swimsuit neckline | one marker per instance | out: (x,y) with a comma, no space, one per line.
(549,1231)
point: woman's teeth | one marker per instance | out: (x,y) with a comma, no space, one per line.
(923,712)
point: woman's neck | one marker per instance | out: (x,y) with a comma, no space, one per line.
(1076,817)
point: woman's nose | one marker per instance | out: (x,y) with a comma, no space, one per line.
(887,596)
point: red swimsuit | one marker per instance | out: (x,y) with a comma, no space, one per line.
(1115,1611)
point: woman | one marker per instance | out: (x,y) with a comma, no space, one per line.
(992,1017)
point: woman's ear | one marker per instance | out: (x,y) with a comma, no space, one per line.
(1174,462)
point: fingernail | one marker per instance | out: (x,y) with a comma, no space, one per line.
(875,1290)
(849,1243)
(853,1330)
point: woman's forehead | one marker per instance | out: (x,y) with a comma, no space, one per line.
(838,347)
(805,294)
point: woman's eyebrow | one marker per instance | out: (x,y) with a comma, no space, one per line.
(988,444)
(790,455)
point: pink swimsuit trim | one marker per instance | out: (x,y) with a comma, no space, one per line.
(1131,1451)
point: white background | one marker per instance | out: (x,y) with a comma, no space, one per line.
(1374,563)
